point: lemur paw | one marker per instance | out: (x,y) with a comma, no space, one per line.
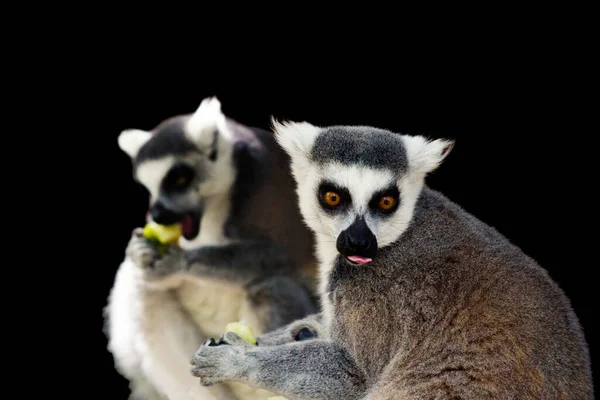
(141,250)
(215,363)
(171,261)
(233,339)
(155,260)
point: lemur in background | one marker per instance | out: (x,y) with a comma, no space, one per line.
(245,254)
(421,300)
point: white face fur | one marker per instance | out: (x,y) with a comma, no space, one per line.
(362,183)
(365,184)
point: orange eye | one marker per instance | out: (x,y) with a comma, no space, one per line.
(387,202)
(332,198)
(180,181)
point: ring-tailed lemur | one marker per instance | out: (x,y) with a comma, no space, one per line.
(251,256)
(420,298)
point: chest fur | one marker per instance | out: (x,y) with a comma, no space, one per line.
(377,317)
(363,321)
(211,305)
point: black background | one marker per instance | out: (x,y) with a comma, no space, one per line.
(522,159)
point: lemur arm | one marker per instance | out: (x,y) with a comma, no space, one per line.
(278,295)
(241,262)
(307,328)
(314,369)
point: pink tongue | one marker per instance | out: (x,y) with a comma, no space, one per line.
(187,225)
(359,259)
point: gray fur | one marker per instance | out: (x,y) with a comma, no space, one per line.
(168,139)
(288,333)
(376,148)
(259,257)
(450,310)
(313,369)
(280,299)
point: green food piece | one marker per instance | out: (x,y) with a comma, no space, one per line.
(164,234)
(243,331)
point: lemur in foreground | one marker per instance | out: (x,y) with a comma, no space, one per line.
(421,300)
(248,255)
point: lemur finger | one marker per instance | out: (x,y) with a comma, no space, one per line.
(207,374)
(144,247)
(233,339)
(136,244)
(202,355)
(144,242)
(144,251)
(207,381)
(138,232)
(199,362)
(172,250)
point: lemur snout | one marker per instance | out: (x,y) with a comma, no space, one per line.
(357,242)
(162,215)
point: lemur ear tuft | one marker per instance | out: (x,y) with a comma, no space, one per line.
(131,140)
(426,155)
(203,123)
(449,145)
(296,138)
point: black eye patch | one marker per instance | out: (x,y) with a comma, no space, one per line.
(178,179)
(393,192)
(341,196)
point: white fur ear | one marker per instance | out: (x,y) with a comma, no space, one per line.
(426,155)
(131,140)
(296,138)
(202,124)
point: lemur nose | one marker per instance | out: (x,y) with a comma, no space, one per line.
(357,240)
(157,210)
(358,244)
(162,215)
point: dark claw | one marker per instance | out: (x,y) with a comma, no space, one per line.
(212,342)
(222,341)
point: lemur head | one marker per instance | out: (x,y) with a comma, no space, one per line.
(357,185)
(181,162)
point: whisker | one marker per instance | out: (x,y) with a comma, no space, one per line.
(324,233)
(396,228)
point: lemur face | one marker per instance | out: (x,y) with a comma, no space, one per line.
(358,186)
(181,163)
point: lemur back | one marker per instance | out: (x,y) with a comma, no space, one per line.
(264,203)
